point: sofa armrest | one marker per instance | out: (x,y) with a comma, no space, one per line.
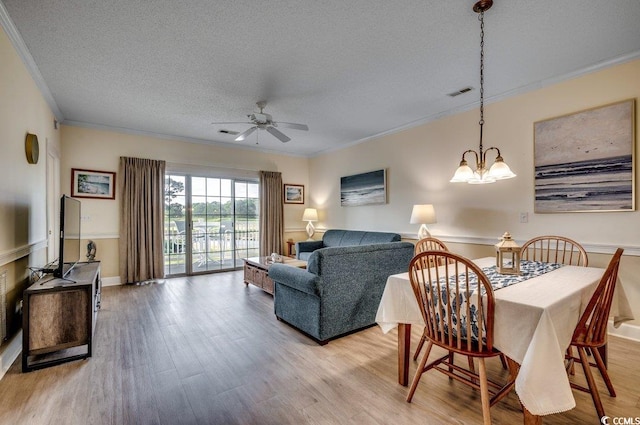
(294,277)
(307,246)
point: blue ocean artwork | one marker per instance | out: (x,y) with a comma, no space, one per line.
(294,194)
(604,184)
(94,184)
(363,189)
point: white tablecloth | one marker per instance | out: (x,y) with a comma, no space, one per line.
(534,322)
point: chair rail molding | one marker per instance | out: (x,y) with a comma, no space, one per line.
(12,255)
(629,250)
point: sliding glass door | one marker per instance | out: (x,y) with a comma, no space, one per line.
(210,223)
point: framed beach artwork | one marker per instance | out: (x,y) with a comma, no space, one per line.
(293,193)
(584,161)
(364,189)
(93,184)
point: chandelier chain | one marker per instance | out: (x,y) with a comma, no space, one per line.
(481,122)
(499,170)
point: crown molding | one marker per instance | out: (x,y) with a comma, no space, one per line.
(492,99)
(173,137)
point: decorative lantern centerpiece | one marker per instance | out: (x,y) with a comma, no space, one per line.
(507,255)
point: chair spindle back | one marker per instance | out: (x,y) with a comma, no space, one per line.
(592,326)
(456,301)
(554,249)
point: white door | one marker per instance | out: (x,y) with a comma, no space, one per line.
(53,207)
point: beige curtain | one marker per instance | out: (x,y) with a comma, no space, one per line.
(141,185)
(271,212)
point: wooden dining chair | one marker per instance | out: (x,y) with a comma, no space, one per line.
(591,333)
(554,249)
(457,305)
(427,244)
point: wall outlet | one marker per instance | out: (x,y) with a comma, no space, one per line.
(524,217)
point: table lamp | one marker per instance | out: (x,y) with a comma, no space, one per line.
(310,215)
(423,214)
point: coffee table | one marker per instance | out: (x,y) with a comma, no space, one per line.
(256,271)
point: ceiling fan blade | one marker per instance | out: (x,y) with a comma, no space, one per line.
(246,134)
(235,122)
(278,134)
(292,125)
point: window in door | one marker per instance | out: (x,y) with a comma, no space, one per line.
(211,223)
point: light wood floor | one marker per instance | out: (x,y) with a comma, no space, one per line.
(208,350)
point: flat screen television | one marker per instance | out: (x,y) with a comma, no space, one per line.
(69,236)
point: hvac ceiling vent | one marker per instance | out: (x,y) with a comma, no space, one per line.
(233,133)
(461,91)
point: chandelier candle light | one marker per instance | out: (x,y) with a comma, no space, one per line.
(423,214)
(499,170)
(310,215)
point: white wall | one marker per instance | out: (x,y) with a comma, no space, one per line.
(420,162)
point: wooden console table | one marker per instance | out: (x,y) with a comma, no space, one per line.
(59,317)
(256,271)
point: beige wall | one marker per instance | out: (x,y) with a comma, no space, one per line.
(23,200)
(100,150)
(420,162)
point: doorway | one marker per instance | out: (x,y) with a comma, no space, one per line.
(211,223)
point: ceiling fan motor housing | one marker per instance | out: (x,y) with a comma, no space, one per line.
(260,118)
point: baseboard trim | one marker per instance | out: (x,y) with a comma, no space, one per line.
(625,330)
(111,281)
(10,353)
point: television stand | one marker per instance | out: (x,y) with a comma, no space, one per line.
(59,317)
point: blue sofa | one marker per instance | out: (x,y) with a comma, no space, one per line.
(341,288)
(336,237)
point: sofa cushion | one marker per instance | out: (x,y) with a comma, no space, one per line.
(379,237)
(333,237)
(304,255)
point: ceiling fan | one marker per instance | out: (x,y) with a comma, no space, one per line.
(264,121)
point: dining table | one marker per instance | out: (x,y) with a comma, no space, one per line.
(534,321)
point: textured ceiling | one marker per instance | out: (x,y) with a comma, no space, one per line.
(350,70)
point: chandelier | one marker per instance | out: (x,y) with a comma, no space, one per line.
(499,170)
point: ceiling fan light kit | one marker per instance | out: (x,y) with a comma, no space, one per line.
(263,121)
(499,170)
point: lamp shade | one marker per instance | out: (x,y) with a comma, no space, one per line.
(500,170)
(423,214)
(463,174)
(310,214)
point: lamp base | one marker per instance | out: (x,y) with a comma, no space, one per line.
(310,231)
(423,232)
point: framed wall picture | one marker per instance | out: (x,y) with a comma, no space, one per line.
(93,184)
(584,161)
(364,189)
(293,193)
